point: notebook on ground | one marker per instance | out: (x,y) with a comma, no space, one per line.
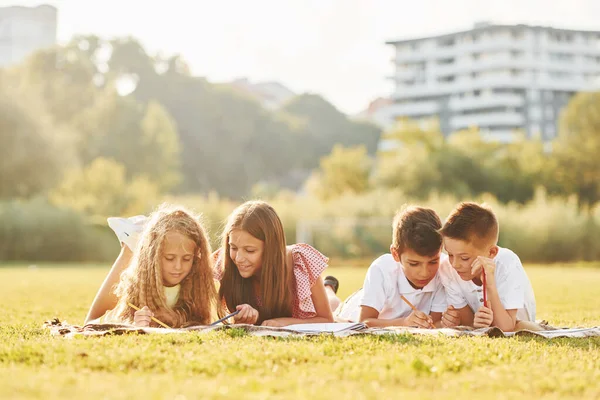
(334,327)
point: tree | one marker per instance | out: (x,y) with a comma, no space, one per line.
(31,153)
(321,126)
(228,141)
(576,150)
(102,190)
(410,161)
(142,137)
(345,170)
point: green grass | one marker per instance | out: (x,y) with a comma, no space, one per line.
(220,365)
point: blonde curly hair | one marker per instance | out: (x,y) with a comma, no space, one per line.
(141,283)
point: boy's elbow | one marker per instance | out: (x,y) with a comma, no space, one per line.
(507,326)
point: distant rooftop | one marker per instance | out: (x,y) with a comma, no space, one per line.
(484,26)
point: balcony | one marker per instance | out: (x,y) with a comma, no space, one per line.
(493,100)
(435,53)
(412,109)
(440,89)
(487,119)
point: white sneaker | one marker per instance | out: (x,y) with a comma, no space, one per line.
(128,230)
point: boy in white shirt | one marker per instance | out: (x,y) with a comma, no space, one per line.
(410,270)
(470,239)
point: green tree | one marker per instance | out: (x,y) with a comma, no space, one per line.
(228,141)
(345,170)
(409,159)
(576,150)
(102,189)
(321,126)
(141,137)
(31,154)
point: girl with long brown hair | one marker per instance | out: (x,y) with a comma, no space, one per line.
(270,283)
(169,275)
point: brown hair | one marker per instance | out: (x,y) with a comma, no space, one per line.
(417,228)
(472,222)
(141,283)
(277,282)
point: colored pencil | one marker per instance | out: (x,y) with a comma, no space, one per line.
(226,317)
(412,306)
(485,304)
(152,318)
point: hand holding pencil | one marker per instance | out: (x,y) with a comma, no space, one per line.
(143,316)
(417,318)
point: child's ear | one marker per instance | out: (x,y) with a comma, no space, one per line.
(395,254)
(493,252)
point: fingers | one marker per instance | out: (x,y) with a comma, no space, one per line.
(243,314)
(247,315)
(450,318)
(419,323)
(253,316)
(483,318)
(485,311)
(420,320)
(426,318)
(476,267)
(143,317)
(489,265)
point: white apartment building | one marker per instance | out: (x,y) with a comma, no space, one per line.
(23,30)
(499,78)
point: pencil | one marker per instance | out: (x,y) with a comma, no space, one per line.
(152,318)
(226,317)
(413,307)
(484,289)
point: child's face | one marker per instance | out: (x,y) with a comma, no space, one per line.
(246,251)
(177,258)
(418,269)
(462,254)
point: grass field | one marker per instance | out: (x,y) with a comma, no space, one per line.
(226,365)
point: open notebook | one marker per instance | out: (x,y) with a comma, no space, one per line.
(335,327)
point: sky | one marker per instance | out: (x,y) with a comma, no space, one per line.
(335,48)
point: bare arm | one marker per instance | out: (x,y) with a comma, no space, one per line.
(105,298)
(370,317)
(436,317)
(503,319)
(321,302)
(466,316)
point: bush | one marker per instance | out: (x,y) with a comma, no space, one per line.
(358,227)
(545,229)
(37,231)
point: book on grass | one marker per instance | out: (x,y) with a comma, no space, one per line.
(334,327)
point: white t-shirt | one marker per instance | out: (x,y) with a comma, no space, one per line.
(514,287)
(384,283)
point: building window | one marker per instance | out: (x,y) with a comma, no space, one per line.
(550,130)
(549,112)
(534,95)
(535,113)
(549,96)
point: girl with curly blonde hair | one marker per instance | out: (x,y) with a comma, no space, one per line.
(168,276)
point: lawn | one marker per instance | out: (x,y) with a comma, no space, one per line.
(230,365)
